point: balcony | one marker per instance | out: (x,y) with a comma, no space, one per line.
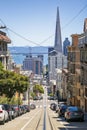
(84,67)
(83,40)
(3,52)
(85,82)
(85,93)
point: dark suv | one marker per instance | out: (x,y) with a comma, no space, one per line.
(62,109)
(8,108)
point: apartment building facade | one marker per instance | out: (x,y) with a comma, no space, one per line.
(83,60)
(4,56)
(73,85)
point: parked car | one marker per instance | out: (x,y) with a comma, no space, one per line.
(27,108)
(17,111)
(74,113)
(32,106)
(50,98)
(40,97)
(14,114)
(57,108)
(61,110)
(3,114)
(35,98)
(53,106)
(9,110)
(22,109)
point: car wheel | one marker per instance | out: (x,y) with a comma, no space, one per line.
(67,120)
(10,118)
(13,117)
(82,120)
(3,122)
(7,119)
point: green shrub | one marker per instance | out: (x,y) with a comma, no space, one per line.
(3,100)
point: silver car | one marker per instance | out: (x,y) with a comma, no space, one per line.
(3,114)
(9,110)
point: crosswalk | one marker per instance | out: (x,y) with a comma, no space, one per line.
(42,106)
(41,103)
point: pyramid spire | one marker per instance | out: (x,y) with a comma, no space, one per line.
(58,40)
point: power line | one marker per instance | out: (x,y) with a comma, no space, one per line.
(20,35)
(2,22)
(53,34)
(49,36)
(23,37)
(75,16)
(47,39)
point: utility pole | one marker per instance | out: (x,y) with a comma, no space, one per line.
(29,96)
(29,93)
(62,74)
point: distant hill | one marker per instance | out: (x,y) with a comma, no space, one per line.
(18,53)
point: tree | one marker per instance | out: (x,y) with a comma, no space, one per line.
(21,83)
(38,88)
(11,82)
(1,66)
(7,87)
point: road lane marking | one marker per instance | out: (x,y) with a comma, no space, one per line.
(62,124)
(29,121)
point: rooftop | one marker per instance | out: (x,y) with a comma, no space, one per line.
(4,38)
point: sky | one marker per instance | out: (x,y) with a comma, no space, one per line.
(33,22)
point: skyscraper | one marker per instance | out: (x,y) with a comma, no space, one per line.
(66,43)
(33,63)
(58,40)
(55,53)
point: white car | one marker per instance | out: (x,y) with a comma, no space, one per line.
(3,114)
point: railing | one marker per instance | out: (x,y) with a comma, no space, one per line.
(83,40)
(85,82)
(3,52)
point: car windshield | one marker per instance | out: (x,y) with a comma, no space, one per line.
(64,107)
(73,108)
(6,106)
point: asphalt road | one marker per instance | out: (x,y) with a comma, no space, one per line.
(30,120)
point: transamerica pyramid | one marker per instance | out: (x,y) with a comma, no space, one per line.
(58,40)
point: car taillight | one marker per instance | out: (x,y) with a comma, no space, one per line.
(68,113)
(1,111)
(16,109)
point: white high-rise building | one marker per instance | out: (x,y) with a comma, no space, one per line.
(55,57)
(55,61)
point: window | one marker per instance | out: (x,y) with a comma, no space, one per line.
(79,92)
(86,92)
(55,62)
